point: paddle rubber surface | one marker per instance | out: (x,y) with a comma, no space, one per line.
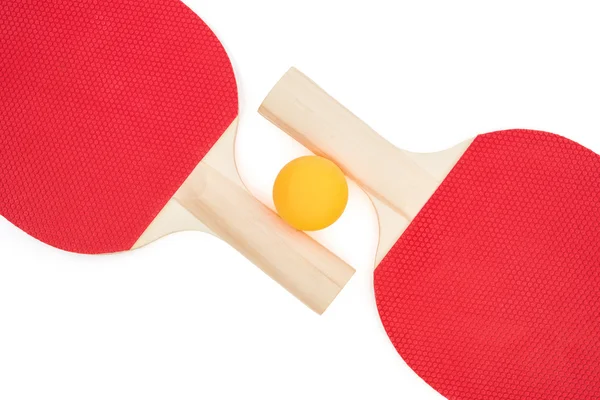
(106,107)
(493,292)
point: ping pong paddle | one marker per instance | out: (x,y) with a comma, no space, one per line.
(488,270)
(118,126)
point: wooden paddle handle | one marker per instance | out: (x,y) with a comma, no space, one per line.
(306,269)
(401,182)
(299,107)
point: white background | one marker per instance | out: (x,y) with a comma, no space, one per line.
(188,317)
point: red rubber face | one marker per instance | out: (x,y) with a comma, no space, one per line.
(106,108)
(493,292)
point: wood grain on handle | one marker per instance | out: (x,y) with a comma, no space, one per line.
(307,113)
(217,197)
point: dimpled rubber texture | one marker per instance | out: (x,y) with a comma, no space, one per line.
(106,107)
(493,292)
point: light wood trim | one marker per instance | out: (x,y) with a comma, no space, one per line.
(399,181)
(172,219)
(440,164)
(391,226)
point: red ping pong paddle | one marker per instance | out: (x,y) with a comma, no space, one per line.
(118,121)
(488,277)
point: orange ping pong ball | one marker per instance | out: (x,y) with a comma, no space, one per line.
(310,193)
